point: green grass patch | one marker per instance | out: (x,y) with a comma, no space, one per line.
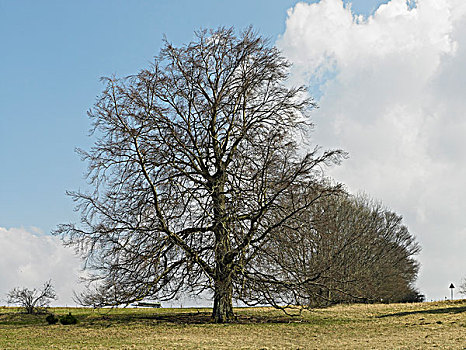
(393,326)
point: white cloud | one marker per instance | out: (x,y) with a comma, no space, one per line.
(391,92)
(29,258)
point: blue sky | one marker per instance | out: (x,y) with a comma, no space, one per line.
(53,54)
(390,89)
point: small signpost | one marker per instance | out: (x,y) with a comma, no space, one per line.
(451,289)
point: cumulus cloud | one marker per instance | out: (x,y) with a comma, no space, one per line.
(29,258)
(391,92)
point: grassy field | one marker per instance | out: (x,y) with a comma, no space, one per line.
(439,325)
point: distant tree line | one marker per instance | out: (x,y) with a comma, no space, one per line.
(344,249)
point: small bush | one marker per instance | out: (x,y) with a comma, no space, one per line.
(68,319)
(51,319)
(33,300)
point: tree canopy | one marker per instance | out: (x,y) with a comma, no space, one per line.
(195,167)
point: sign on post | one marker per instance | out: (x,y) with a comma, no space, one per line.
(451,289)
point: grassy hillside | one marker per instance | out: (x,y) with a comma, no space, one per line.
(395,326)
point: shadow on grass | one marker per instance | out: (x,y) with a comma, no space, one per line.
(131,317)
(107,319)
(195,318)
(445,310)
(19,319)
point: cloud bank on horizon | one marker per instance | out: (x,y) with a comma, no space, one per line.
(391,88)
(29,258)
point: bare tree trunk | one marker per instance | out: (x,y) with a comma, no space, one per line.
(223,305)
(223,288)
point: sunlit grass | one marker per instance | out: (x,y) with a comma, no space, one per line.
(393,326)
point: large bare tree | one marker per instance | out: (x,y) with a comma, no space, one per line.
(196,165)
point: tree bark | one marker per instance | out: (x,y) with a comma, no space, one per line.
(223,288)
(223,305)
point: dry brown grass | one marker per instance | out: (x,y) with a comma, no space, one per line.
(396,326)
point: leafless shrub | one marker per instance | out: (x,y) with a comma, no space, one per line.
(32,300)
